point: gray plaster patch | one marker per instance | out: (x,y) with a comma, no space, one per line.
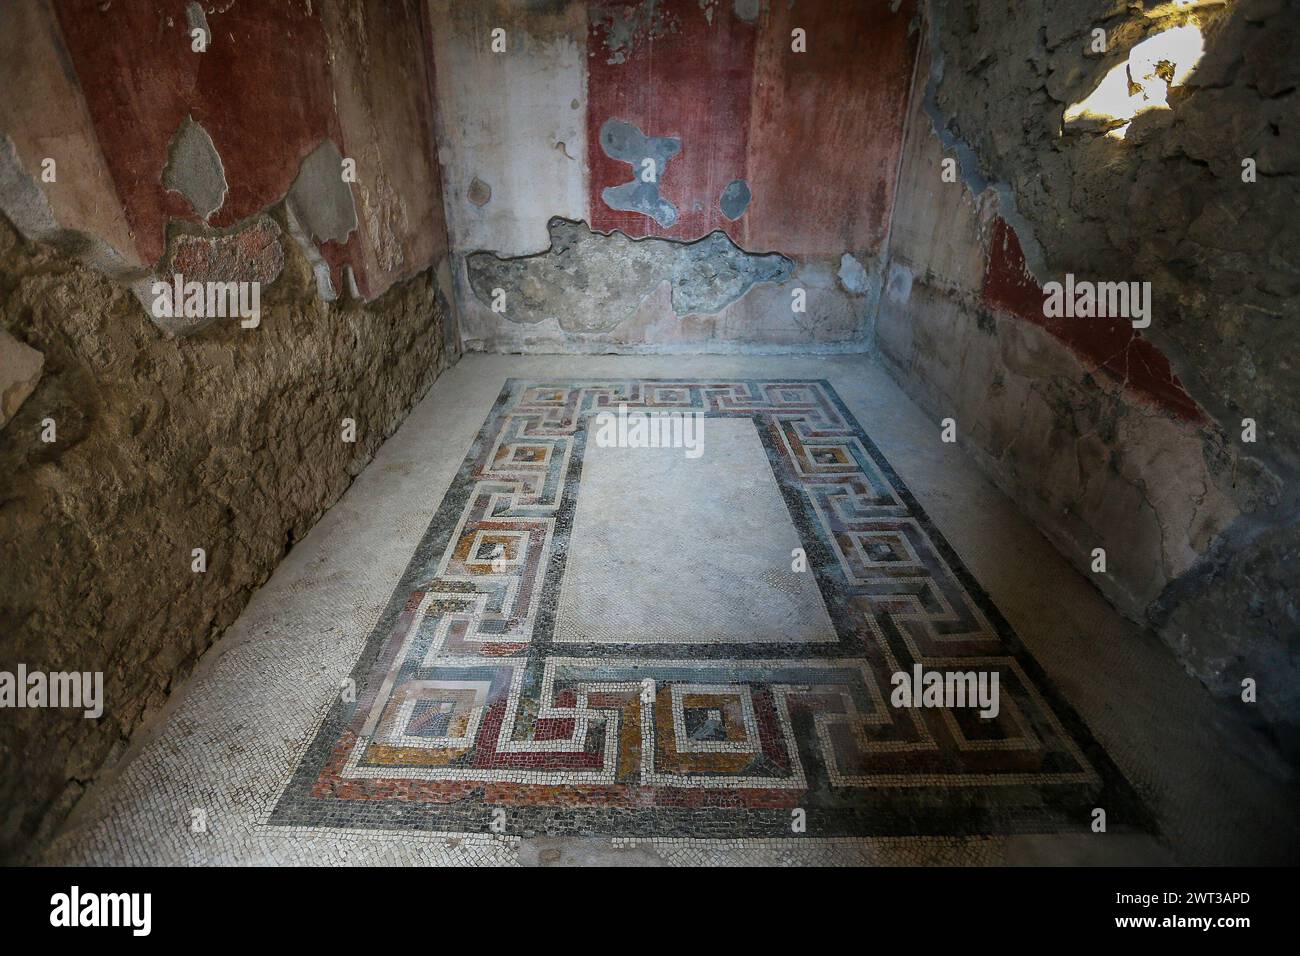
(748,10)
(320,269)
(21,198)
(319,197)
(625,142)
(735,199)
(899,286)
(194,169)
(853,275)
(591,282)
(479,193)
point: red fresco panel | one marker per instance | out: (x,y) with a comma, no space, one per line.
(262,90)
(1109,343)
(684,77)
(827,126)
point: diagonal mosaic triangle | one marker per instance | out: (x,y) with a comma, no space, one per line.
(536,673)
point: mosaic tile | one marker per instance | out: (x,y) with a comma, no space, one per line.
(471,717)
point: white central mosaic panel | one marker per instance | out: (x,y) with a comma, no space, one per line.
(672,549)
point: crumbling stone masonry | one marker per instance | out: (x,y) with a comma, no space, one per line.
(229,440)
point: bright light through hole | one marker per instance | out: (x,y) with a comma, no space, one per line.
(1141,83)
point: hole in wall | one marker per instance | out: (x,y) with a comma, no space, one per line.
(1141,83)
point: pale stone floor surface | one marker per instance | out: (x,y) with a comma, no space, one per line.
(231,735)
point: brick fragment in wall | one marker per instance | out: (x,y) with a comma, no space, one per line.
(591,281)
(479,192)
(251,254)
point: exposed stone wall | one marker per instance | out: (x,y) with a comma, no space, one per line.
(228,440)
(1109,437)
(132,433)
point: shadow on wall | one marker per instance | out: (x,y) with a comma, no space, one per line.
(1171,447)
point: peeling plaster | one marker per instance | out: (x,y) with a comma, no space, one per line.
(625,142)
(194,169)
(968,161)
(628,26)
(734,199)
(320,198)
(591,281)
(319,267)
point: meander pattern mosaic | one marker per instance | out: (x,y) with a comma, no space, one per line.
(467,711)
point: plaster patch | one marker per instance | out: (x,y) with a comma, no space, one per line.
(899,288)
(23,201)
(591,281)
(735,199)
(21,197)
(320,199)
(853,275)
(479,192)
(648,156)
(625,28)
(196,19)
(194,169)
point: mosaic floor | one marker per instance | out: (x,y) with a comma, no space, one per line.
(707,711)
(565,653)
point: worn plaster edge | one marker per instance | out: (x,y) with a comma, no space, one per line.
(171,169)
(597,232)
(492,346)
(25,204)
(685,243)
(968,161)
